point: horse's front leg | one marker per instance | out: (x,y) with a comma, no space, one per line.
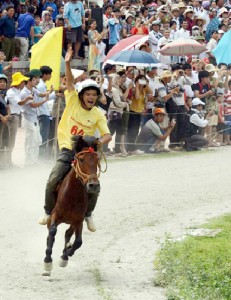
(50,242)
(78,240)
(64,258)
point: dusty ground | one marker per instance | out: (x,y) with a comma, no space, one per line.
(141,200)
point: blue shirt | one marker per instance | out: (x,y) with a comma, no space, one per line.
(114,31)
(25,22)
(7,26)
(54,7)
(74,13)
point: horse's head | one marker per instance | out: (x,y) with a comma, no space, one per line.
(87,164)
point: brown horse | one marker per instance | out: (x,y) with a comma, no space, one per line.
(72,199)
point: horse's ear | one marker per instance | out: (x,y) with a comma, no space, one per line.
(76,142)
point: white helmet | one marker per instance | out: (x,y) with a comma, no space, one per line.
(88,84)
(3,76)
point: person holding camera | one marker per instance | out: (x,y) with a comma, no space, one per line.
(194,123)
(151,133)
(176,109)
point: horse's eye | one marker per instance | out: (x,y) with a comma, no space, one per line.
(81,160)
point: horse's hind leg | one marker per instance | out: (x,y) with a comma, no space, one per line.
(78,241)
(64,258)
(50,243)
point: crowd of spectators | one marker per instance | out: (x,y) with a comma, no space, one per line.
(187,98)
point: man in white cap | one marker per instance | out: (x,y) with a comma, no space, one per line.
(194,122)
(154,36)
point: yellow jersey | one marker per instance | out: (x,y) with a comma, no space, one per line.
(79,121)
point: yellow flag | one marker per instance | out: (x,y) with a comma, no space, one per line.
(47,52)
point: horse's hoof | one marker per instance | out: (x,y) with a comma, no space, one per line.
(48,266)
(47,273)
(70,252)
(63,263)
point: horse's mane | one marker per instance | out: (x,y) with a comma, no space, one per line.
(80,142)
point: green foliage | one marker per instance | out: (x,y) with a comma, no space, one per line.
(197,267)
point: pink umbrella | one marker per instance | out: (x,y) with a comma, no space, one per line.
(132,42)
(181,47)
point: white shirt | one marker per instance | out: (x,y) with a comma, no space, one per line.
(196,120)
(182,33)
(13,96)
(45,108)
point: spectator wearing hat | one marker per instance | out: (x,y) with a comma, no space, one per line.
(24,32)
(188,14)
(127,26)
(13,96)
(194,122)
(154,36)
(151,133)
(200,22)
(175,14)
(212,45)
(29,103)
(7,27)
(182,8)
(213,24)
(4,120)
(164,93)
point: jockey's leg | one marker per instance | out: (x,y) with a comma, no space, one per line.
(60,170)
(92,200)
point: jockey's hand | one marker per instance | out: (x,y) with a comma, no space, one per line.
(98,143)
(69,54)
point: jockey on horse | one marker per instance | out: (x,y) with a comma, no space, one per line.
(80,117)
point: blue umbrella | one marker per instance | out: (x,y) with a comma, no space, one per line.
(133,58)
(222,52)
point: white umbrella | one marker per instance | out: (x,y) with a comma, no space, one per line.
(182,47)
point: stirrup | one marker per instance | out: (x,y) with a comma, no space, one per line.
(43,220)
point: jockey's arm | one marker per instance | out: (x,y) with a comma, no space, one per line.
(105,139)
(69,77)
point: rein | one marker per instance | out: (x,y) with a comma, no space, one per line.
(80,174)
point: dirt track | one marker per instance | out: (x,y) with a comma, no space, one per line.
(141,200)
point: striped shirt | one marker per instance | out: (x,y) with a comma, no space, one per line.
(227,103)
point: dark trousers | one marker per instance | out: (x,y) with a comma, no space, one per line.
(115,126)
(176,133)
(44,125)
(195,141)
(133,130)
(8,47)
(60,170)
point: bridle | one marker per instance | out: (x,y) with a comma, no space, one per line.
(84,178)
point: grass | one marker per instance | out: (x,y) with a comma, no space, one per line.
(197,268)
(99,284)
